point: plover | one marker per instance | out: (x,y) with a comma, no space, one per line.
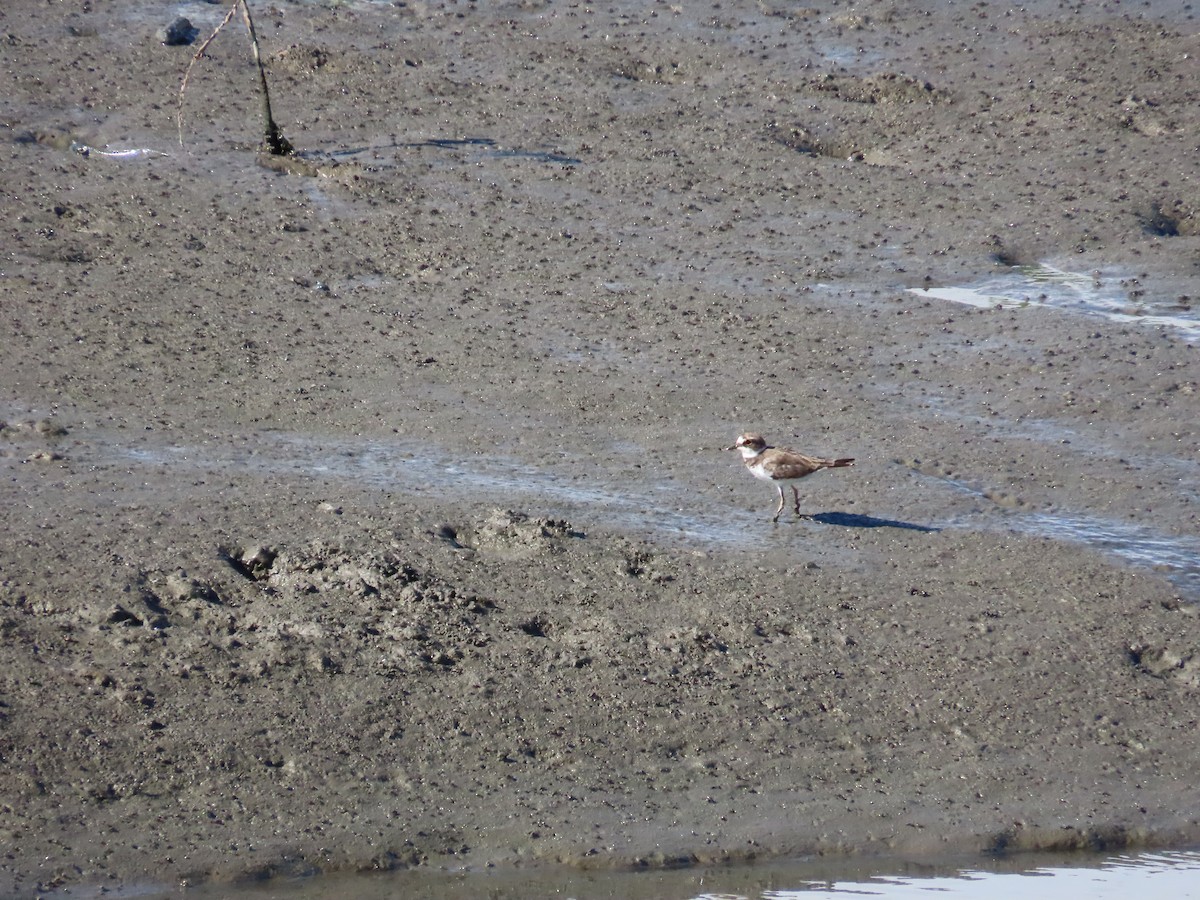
(779,465)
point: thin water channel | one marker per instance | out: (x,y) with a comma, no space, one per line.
(644,507)
(1111,295)
(1173,874)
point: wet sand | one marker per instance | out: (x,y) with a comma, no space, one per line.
(372,513)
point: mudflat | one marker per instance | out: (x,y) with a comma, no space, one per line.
(368,509)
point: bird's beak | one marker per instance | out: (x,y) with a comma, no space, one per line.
(734,447)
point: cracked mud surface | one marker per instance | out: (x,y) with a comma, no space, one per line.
(368,511)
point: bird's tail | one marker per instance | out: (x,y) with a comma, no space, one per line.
(838,463)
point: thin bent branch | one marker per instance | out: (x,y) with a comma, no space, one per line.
(274,141)
(196,58)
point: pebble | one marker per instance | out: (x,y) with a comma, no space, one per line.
(179,33)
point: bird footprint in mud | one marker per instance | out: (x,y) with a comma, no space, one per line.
(18,436)
(1004,498)
(932,468)
(944,472)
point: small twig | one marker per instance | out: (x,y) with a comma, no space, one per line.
(196,58)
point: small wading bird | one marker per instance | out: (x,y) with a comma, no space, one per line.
(779,465)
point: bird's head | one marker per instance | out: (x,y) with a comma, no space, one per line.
(750,444)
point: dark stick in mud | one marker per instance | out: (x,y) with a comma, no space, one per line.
(273,140)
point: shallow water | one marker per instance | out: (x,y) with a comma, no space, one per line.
(1110,295)
(1178,557)
(1147,874)
(1175,556)
(1174,874)
(650,505)
(418,468)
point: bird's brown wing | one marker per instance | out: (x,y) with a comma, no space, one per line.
(788,464)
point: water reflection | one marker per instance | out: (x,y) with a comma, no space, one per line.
(647,506)
(1108,295)
(1174,874)
(1175,556)
(1146,874)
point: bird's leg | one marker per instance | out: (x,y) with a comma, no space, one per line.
(796,494)
(778,511)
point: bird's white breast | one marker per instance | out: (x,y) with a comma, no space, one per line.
(759,470)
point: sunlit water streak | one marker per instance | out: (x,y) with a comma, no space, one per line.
(1174,875)
(419,469)
(1103,294)
(1177,557)
(647,507)
(1169,874)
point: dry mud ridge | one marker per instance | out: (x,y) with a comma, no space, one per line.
(365,510)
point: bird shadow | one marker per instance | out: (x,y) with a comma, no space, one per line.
(854,520)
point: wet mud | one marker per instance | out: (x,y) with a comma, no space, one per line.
(368,510)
